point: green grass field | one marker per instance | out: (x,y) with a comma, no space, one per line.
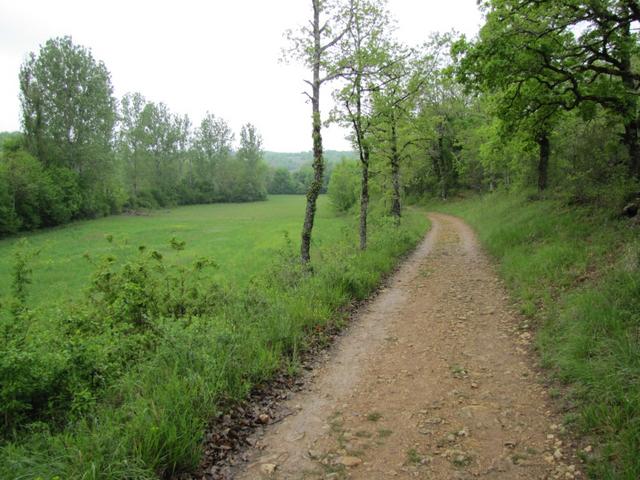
(112,368)
(240,238)
(576,270)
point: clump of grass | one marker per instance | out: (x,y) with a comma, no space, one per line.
(413,457)
(374,416)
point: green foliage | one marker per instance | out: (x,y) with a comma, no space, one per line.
(32,196)
(281,182)
(293,161)
(344,186)
(577,271)
(68,115)
(78,165)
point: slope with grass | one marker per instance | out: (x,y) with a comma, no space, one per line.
(577,271)
(112,368)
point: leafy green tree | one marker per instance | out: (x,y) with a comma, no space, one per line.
(303,178)
(132,142)
(343,185)
(362,57)
(212,146)
(281,182)
(314,46)
(152,145)
(68,116)
(250,156)
(544,57)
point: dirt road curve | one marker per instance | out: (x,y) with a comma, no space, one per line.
(433,381)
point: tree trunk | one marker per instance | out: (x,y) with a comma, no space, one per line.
(630,115)
(395,173)
(364,197)
(543,162)
(318,161)
(631,142)
(442,167)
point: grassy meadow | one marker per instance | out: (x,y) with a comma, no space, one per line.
(239,237)
(576,270)
(112,367)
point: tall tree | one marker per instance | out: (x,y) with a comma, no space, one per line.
(68,115)
(212,145)
(250,155)
(400,82)
(362,58)
(314,45)
(152,143)
(131,143)
(554,55)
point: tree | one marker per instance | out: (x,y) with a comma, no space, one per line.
(401,81)
(362,58)
(504,63)
(250,155)
(151,143)
(212,146)
(68,115)
(314,45)
(343,185)
(550,56)
(132,141)
(281,182)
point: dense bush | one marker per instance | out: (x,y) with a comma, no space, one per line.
(32,196)
(344,185)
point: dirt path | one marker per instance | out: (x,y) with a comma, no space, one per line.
(434,381)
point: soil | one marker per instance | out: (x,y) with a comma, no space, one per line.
(435,379)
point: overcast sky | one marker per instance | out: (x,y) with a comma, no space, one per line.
(197,56)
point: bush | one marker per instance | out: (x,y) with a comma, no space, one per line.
(343,185)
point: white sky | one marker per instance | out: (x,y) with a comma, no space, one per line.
(202,55)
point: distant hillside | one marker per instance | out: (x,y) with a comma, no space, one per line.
(294,160)
(5,135)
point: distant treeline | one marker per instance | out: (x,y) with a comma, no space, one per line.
(293,161)
(82,153)
(292,173)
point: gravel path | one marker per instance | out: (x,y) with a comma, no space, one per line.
(434,380)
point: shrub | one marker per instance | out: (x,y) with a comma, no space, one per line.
(343,186)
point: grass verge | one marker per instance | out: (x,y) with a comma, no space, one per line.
(577,271)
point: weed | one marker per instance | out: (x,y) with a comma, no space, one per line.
(374,416)
(413,457)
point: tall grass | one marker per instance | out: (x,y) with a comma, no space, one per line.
(577,271)
(149,421)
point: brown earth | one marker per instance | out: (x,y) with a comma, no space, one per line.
(434,380)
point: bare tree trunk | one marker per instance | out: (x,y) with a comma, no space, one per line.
(318,161)
(631,142)
(543,162)
(364,196)
(442,168)
(630,115)
(396,211)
